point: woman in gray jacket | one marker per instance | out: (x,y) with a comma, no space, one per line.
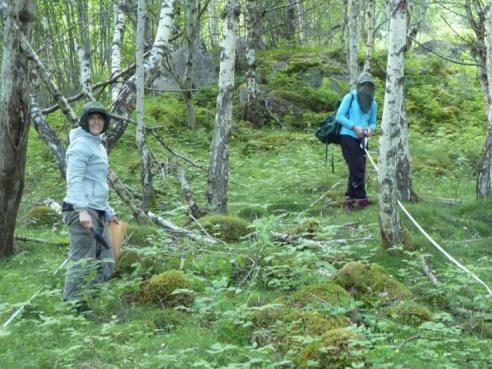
(85,207)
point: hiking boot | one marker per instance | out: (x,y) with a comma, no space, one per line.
(362,203)
(349,203)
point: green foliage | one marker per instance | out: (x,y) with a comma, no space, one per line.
(408,312)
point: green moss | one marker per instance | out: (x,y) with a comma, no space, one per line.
(479,327)
(372,280)
(132,261)
(287,207)
(410,313)
(265,316)
(318,294)
(42,216)
(226,227)
(161,289)
(335,351)
(251,213)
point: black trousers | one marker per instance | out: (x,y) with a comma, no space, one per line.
(355,157)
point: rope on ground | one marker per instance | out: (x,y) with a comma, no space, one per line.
(21,308)
(431,240)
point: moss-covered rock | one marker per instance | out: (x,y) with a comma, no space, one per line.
(372,280)
(286,207)
(226,227)
(132,261)
(42,216)
(318,294)
(162,289)
(142,235)
(337,350)
(410,313)
(267,315)
(251,213)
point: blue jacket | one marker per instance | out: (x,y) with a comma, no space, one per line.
(87,172)
(354,116)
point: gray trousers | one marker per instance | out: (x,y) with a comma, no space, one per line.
(89,261)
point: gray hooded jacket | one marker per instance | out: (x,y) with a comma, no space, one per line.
(87,172)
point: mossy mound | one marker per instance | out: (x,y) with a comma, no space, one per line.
(318,294)
(372,280)
(132,261)
(307,227)
(337,350)
(162,289)
(251,213)
(312,323)
(227,228)
(286,207)
(142,235)
(410,313)
(267,315)
(42,216)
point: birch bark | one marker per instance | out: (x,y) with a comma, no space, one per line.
(389,220)
(370,34)
(15,117)
(353,42)
(218,175)
(119,29)
(145,172)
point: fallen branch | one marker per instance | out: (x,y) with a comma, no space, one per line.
(296,239)
(428,272)
(171,227)
(196,211)
(38,240)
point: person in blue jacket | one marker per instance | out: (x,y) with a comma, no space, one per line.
(85,207)
(357,115)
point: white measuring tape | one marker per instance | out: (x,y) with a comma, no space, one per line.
(20,309)
(434,243)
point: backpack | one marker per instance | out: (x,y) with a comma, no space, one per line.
(328,131)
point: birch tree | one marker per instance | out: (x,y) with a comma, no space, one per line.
(191,31)
(389,220)
(145,172)
(119,29)
(15,117)
(353,42)
(370,34)
(218,174)
(484,179)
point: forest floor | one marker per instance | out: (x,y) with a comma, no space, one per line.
(254,301)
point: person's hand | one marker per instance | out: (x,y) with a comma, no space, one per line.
(359,131)
(114,219)
(85,219)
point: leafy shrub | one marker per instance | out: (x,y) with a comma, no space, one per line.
(410,313)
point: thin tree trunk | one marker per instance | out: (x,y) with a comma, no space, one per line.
(145,172)
(370,34)
(484,179)
(191,31)
(15,117)
(300,21)
(119,30)
(403,164)
(353,42)
(415,27)
(218,175)
(85,73)
(389,220)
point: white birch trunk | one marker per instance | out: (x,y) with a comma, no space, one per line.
(119,29)
(414,28)
(389,220)
(370,34)
(250,20)
(15,117)
(126,99)
(218,175)
(484,179)
(145,172)
(300,21)
(85,73)
(353,42)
